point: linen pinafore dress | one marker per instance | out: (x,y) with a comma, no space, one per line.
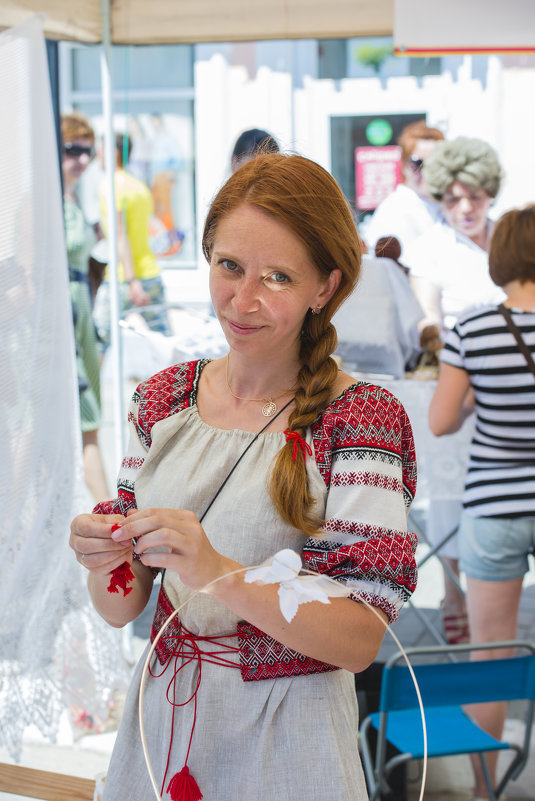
(271,740)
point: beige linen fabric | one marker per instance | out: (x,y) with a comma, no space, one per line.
(291,738)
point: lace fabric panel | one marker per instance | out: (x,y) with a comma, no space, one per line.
(55,651)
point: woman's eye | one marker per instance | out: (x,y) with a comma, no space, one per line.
(228,264)
(279,278)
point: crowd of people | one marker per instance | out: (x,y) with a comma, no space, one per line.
(324,463)
(475,280)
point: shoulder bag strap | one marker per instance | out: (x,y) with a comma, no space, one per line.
(517,335)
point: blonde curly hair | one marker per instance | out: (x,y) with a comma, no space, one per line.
(471,161)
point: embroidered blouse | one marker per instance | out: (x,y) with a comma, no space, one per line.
(364,451)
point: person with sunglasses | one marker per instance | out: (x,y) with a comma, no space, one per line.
(409,210)
(78,150)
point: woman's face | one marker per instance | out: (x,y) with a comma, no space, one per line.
(77,155)
(263,282)
(466,209)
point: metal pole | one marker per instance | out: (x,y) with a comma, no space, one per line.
(111,218)
(116,352)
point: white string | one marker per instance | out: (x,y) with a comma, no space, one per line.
(244,570)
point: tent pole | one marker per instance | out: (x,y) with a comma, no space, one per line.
(116,350)
(111,219)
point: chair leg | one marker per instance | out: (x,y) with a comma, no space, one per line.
(486,776)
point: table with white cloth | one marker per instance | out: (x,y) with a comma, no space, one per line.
(442,465)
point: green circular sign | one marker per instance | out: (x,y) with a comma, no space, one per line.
(379,132)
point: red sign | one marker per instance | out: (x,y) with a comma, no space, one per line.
(377,173)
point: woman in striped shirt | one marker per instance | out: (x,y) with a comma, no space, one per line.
(484,367)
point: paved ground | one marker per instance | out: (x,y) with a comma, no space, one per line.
(448,780)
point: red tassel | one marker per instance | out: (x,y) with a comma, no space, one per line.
(183,787)
(121,577)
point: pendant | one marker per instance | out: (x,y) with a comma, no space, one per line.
(269,408)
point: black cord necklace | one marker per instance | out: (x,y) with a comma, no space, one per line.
(240,457)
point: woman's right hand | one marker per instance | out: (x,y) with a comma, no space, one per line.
(92,543)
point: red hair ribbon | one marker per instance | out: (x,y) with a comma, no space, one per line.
(298,441)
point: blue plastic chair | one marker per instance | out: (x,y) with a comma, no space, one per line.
(445,688)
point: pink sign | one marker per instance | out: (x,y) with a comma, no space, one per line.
(377,173)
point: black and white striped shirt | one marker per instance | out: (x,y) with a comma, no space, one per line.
(501,471)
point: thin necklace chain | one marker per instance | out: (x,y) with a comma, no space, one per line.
(269,408)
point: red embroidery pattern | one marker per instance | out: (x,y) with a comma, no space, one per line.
(361,530)
(367,479)
(166,393)
(132,462)
(261,656)
(118,506)
(365,417)
(166,644)
(378,603)
(389,557)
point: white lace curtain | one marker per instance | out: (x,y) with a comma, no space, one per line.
(55,652)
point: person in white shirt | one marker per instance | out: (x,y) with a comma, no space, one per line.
(449,269)
(409,210)
(450,261)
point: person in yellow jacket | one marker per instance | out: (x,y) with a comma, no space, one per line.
(139,275)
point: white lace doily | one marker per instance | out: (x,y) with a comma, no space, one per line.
(55,652)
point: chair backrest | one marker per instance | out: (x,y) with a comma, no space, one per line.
(457,683)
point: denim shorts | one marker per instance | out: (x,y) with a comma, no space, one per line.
(496,548)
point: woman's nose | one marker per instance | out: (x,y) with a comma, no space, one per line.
(465,205)
(246,295)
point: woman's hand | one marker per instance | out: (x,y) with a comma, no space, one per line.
(173,539)
(137,294)
(91,541)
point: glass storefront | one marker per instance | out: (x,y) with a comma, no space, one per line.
(154,105)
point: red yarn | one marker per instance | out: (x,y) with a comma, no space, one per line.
(188,649)
(298,442)
(183,787)
(122,576)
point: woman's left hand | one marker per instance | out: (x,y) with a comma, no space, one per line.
(181,542)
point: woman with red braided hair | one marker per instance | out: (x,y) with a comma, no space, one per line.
(230,461)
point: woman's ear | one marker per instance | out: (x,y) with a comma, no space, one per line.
(330,286)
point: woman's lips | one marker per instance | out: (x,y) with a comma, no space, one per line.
(241,328)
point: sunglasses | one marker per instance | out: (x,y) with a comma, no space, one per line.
(416,164)
(75,151)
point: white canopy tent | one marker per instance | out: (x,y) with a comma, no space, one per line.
(171,21)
